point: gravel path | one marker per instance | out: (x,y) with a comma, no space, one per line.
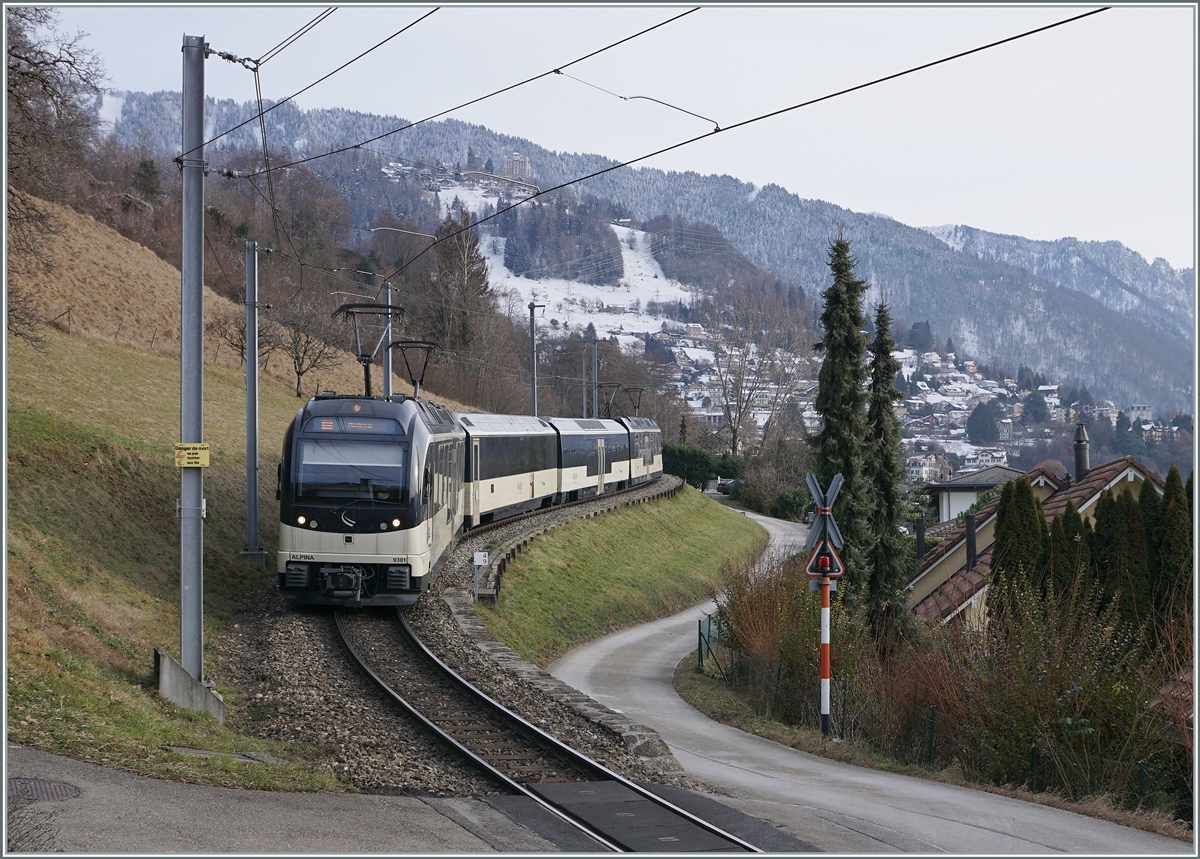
(296,684)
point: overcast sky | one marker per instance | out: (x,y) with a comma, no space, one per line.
(1085,130)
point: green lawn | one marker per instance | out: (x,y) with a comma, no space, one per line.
(594,576)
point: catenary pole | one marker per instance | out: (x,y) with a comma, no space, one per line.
(191,360)
(253,545)
(583,387)
(387,339)
(595,380)
(533,359)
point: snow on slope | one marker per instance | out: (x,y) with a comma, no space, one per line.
(571,305)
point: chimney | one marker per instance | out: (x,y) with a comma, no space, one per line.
(1082,465)
(920,538)
(970,541)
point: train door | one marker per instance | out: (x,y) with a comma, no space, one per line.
(474,481)
(599,466)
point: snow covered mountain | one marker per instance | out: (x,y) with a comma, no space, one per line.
(1114,275)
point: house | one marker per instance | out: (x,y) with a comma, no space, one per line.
(958,494)
(952,581)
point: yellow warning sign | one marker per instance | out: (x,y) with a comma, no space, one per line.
(191,456)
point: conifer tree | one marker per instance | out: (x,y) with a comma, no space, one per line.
(884,479)
(1020,536)
(1138,605)
(1149,504)
(1061,570)
(1175,544)
(840,400)
(1076,531)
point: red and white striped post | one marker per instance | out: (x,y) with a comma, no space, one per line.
(822,568)
(824,562)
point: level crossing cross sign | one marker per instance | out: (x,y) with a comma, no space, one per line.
(824,538)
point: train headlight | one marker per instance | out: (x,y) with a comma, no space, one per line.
(312,523)
(300,520)
(395,523)
(383,526)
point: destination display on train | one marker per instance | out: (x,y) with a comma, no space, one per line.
(378,426)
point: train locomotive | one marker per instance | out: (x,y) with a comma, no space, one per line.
(374,493)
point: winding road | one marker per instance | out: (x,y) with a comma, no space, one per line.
(830,805)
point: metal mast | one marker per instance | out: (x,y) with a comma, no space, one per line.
(191,362)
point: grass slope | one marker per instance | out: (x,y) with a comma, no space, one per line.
(93,558)
(594,576)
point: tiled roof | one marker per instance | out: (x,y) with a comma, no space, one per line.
(992,474)
(956,534)
(956,590)
(1093,484)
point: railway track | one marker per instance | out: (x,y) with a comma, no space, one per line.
(618,814)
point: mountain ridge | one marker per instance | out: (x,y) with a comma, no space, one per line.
(1092,313)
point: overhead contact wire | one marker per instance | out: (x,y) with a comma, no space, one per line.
(755,119)
(537,77)
(320,80)
(292,39)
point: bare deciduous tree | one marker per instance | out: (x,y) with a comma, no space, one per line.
(51,83)
(758,351)
(306,336)
(229,326)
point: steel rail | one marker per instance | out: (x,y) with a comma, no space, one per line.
(575,756)
(483,764)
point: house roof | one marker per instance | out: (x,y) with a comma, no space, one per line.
(1088,489)
(946,599)
(988,477)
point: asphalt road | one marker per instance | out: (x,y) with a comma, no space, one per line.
(831,805)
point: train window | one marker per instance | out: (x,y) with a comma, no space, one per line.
(329,468)
(501,457)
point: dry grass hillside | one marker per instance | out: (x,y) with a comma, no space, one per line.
(103,285)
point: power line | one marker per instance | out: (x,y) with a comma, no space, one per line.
(290,40)
(755,119)
(314,83)
(556,70)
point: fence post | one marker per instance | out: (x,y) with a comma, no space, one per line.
(845,702)
(1033,763)
(700,644)
(1141,782)
(932,731)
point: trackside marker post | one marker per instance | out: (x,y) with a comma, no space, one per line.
(822,568)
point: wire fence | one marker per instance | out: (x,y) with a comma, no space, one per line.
(928,737)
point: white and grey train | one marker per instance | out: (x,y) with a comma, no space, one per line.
(375,493)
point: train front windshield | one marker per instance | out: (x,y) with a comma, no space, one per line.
(330,469)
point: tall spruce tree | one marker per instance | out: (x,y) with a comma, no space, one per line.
(883,474)
(1020,539)
(1175,545)
(1149,504)
(1139,607)
(840,402)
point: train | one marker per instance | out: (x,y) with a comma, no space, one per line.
(375,492)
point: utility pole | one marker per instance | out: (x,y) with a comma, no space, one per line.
(387,339)
(583,356)
(253,549)
(191,365)
(595,378)
(533,360)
